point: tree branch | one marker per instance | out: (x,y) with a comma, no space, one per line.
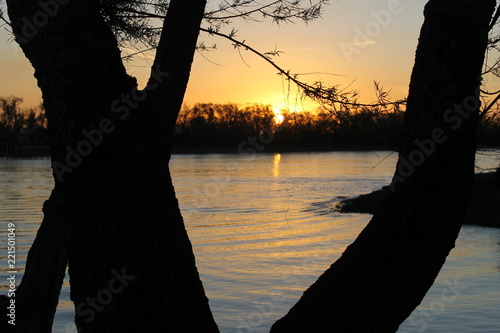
(316,92)
(495,18)
(486,109)
(174,56)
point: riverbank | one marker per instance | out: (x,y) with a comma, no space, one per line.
(483,210)
(260,148)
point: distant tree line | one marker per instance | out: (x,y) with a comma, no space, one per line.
(489,130)
(227,125)
(13,118)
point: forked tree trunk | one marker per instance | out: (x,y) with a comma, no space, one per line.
(113,211)
(383,276)
(112,215)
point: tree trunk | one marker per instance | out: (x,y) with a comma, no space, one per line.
(38,295)
(114,214)
(383,276)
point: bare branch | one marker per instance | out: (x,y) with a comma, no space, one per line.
(326,96)
(133,20)
(490,105)
(495,18)
(2,16)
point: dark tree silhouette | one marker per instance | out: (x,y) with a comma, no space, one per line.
(383,276)
(113,216)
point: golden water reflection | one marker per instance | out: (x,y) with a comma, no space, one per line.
(276,169)
(264,231)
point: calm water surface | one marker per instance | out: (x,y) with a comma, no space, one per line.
(263,230)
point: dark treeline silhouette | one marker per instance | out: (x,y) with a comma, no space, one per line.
(22,130)
(227,125)
(488,131)
(13,118)
(114,214)
(221,124)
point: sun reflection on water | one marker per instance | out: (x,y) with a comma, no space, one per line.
(276,169)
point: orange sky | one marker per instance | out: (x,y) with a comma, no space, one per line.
(357,40)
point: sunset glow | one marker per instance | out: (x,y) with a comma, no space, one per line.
(315,51)
(278,116)
(206,164)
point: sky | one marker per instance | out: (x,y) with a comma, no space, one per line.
(354,43)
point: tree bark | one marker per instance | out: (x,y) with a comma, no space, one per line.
(383,276)
(115,215)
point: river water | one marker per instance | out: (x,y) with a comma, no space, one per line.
(263,230)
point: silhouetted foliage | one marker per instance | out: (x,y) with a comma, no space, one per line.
(221,124)
(489,131)
(227,125)
(13,118)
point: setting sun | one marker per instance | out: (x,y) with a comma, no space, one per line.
(278,116)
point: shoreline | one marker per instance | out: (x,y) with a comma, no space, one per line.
(184,149)
(483,207)
(44,152)
(188,149)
